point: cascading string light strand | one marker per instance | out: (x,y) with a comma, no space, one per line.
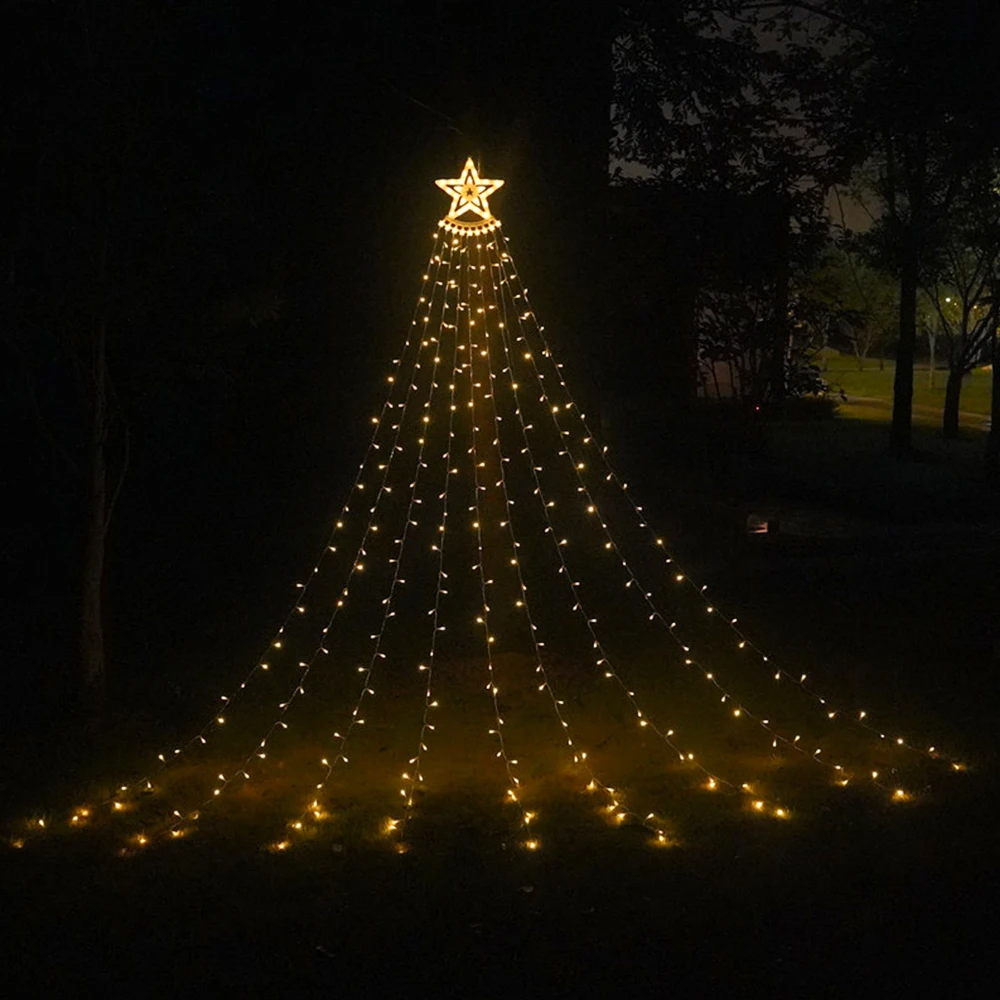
(579,756)
(742,640)
(736,708)
(321,650)
(483,618)
(413,776)
(314,810)
(117,801)
(604,661)
(389,612)
(713,780)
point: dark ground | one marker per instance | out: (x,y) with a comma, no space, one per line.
(848,908)
(856,899)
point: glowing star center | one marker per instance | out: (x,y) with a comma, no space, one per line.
(469,193)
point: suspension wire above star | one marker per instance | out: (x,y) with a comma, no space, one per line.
(469,193)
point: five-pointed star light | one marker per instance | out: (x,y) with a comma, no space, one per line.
(469,192)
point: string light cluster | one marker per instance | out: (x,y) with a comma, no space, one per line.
(712,780)
(473,306)
(484,618)
(414,776)
(527,324)
(275,645)
(118,803)
(393,825)
(357,566)
(632,583)
(578,755)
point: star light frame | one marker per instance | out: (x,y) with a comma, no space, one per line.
(469,193)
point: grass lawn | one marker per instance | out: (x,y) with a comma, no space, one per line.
(842,371)
(849,894)
(843,464)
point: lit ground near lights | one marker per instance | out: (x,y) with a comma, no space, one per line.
(461,772)
(850,891)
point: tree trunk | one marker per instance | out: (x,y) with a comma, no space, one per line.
(992,457)
(932,362)
(902,389)
(95,533)
(914,234)
(952,397)
(783,278)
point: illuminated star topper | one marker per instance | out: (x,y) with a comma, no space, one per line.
(469,193)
